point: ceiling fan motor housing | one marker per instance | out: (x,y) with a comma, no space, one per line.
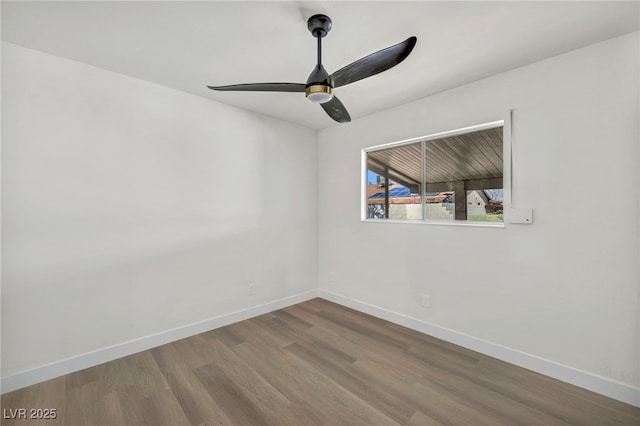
(319,88)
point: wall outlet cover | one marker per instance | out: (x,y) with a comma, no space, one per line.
(426,300)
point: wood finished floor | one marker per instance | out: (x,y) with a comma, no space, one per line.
(309,364)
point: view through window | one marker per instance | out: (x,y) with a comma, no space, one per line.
(458,176)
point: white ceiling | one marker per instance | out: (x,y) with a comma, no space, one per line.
(188,45)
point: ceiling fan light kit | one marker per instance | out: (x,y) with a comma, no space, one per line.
(319,86)
(319,93)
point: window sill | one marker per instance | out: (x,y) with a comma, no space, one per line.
(439,223)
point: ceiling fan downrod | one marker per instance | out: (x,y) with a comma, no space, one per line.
(318,87)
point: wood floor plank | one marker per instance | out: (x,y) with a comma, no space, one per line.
(447,410)
(82,403)
(372,324)
(162,409)
(115,375)
(278,373)
(569,398)
(537,392)
(459,389)
(314,363)
(50,394)
(373,333)
(147,377)
(191,395)
(421,419)
(243,392)
(81,378)
(293,321)
(194,351)
(225,335)
(131,408)
(331,353)
(267,358)
(377,396)
(319,396)
(335,340)
(233,400)
(110,412)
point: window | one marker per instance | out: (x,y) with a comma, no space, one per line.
(452,176)
(393,183)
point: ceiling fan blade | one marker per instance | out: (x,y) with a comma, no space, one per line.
(373,64)
(336,110)
(262,87)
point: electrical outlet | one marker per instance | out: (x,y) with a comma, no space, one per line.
(252,289)
(426,300)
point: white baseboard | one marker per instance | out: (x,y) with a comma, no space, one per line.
(607,387)
(90,359)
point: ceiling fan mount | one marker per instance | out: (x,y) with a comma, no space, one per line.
(320,85)
(319,25)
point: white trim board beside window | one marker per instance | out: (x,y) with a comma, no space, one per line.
(459,177)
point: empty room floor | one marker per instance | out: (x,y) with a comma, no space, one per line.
(308,364)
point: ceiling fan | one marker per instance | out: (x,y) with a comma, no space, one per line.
(319,86)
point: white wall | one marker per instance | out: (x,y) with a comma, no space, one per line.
(131,209)
(564,289)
